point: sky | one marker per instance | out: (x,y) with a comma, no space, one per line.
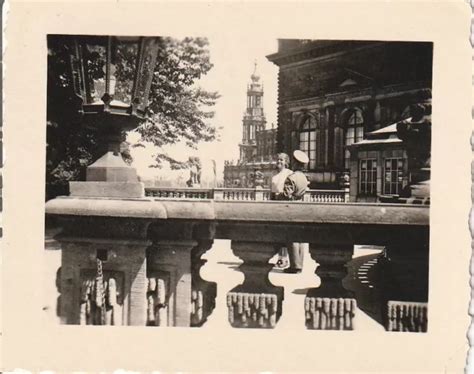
(233,59)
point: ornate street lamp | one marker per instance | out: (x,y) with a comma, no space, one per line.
(111,77)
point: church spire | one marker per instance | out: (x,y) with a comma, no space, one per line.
(254,118)
(255,77)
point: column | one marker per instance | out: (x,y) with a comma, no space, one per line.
(169,266)
(330,306)
(203,293)
(256,303)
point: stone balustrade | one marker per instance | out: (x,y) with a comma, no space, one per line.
(326,196)
(179,193)
(242,194)
(150,257)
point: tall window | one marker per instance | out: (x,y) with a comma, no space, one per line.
(393,176)
(368,177)
(257,101)
(307,138)
(354,133)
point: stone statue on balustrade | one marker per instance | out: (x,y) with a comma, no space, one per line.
(258,179)
(194,165)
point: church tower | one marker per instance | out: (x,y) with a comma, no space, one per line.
(253,120)
(257,148)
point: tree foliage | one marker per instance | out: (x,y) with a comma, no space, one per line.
(179,110)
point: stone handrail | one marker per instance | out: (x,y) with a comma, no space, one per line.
(160,242)
(242,194)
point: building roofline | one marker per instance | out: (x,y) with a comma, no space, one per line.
(319,49)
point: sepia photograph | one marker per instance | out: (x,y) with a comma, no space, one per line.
(325,204)
(237,187)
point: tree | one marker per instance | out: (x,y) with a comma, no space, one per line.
(179,110)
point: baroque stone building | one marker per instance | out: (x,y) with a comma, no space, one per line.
(257,147)
(332,94)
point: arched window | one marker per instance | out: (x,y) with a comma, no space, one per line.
(251,131)
(310,134)
(307,139)
(354,132)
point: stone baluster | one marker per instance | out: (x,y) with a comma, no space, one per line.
(256,303)
(203,294)
(330,306)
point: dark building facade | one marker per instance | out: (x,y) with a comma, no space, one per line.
(258,144)
(332,94)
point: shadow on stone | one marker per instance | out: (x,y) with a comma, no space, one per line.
(362,279)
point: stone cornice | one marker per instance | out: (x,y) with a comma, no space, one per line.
(314,53)
(355,96)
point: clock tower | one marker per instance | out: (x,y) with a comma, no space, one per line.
(253,120)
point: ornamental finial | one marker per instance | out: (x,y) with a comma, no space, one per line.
(255,76)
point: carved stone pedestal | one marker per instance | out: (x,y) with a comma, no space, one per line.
(203,294)
(407,316)
(256,303)
(255,310)
(405,287)
(118,290)
(331,306)
(324,313)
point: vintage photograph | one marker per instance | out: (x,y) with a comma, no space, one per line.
(282,185)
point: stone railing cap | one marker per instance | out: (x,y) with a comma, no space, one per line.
(249,211)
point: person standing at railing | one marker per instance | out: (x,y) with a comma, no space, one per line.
(294,188)
(278,181)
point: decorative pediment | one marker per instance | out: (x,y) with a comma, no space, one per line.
(348,82)
(350,78)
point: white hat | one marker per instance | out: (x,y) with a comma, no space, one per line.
(300,156)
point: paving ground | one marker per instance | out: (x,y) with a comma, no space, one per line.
(222,268)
